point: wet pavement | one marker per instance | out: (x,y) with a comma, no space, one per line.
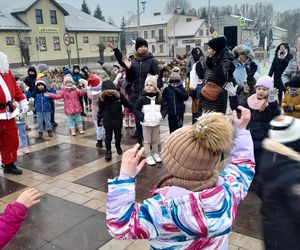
(72,175)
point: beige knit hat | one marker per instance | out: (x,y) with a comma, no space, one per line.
(192,154)
(151,80)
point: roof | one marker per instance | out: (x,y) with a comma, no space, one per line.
(78,20)
(8,21)
(239,17)
(186,28)
(278,28)
(152,20)
(20,6)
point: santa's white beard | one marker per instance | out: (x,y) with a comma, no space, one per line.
(4,65)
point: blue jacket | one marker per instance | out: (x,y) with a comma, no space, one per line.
(42,100)
(174,99)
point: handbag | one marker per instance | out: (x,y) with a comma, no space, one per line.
(211,91)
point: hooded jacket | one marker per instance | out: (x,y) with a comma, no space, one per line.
(279,189)
(279,65)
(30,79)
(290,71)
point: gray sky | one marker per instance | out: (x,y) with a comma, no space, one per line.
(118,8)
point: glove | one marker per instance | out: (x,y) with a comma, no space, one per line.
(24,106)
(273,95)
(251,68)
(231,89)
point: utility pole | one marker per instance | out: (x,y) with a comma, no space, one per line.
(139,15)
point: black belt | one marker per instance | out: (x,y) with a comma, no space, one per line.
(9,105)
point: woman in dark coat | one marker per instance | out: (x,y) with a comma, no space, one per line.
(219,69)
(280,62)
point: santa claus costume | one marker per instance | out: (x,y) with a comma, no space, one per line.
(9,92)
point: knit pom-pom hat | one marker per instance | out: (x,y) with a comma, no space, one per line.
(193,153)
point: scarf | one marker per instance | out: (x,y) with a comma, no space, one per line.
(293,92)
(257,104)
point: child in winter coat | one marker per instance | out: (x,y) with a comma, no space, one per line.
(42,106)
(174,96)
(291,100)
(110,110)
(94,86)
(264,107)
(70,93)
(279,185)
(15,213)
(150,109)
(194,207)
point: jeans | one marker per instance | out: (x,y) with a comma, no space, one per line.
(22,134)
(43,116)
(74,120)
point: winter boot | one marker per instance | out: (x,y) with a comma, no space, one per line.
(81,131)
(11,169)
(50,133)
(99,144)
(40,135)
(108,155)
(73,132)
(119,149)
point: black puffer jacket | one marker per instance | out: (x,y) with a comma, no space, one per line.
(30,79)
(279,65)
(136,75)
(110,106)
(279,189)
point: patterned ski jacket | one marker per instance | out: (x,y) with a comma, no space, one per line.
(176,218)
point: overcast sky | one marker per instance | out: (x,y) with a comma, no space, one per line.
(119,8)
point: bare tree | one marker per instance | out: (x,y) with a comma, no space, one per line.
(172,5)
(24,52)
(101,48)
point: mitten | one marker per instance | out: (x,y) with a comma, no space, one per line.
(24,106)
(273,95)
(231,89)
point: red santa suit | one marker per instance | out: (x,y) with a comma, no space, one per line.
(9,92)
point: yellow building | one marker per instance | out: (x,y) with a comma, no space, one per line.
(44,28)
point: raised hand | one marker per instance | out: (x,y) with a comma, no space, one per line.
(231,89)
(131,164)
(29,197)
(127,62)
(273,95)
(111,46)
(244,120)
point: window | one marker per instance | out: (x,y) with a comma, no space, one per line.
(27,40)
(116,39)
(53,18)
(187,48)
(146,34)
(85,39)
(42,43)
(56,44)
(161,48)
(207,32)
(110,39)
(39,16)
(72,40)
(10,40)
(153,49)
(200,32)
(161,35)
(152,33)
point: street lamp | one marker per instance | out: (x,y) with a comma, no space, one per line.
(139,14)
(176,12)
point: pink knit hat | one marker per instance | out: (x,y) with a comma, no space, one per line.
(265,81)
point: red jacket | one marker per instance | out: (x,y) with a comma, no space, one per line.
(9,91)
(10,221)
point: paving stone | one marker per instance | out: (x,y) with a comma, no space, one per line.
(63,129)
(8,187)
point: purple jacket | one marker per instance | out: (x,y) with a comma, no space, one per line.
(71,100)
(10,221)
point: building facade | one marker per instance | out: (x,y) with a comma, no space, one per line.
(38,27)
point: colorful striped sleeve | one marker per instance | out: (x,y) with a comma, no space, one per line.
(125,218)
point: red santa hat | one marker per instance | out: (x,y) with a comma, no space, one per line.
(4,65)
(94,81)
(39,81)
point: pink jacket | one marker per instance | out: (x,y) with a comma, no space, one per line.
(10,221)
(71,100)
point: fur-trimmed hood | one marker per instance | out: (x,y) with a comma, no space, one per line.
(109,89)
(244,48)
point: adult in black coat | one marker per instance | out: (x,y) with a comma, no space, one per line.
(280,62)
(278,185)
(219,69)
(30,79)
(110,113)
(137,70)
